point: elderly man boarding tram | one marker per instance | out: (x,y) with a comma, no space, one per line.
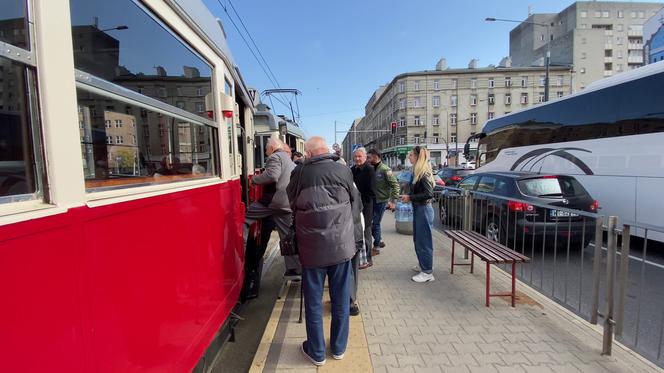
(274,201)
(322,195)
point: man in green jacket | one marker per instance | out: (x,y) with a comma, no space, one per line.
(387,191)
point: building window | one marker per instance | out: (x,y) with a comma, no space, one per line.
(417,85)
(620,27)
(436,85)
(402,122)
(180,104)
(453,100)
(473,83)
(540,97)
(416,139)
(542,80)
(583,26)
(453,137)
(620,14)
(402,103)
(435,138)
(632,14)
(199,92)
(605,14)
(455,83)
(584,14)
(119,140)
(598,14)
(620,54)
(453,119)
(200,107)
(109,139)
(418,121)
(436,101)
(508,99)
(473,100)
(492,83)
(583,70)
(524,81)
(508,81)
(559,94)
(559,80)
(416,102)
(524,98)
(402,140)
(118,123)
(107,123)
(473,118)
(491,99)
(490,115)
(402,87)
(436,119)
(642,14)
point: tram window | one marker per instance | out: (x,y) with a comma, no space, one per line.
(121,42)
(19,170)
(157,148)
(13,29)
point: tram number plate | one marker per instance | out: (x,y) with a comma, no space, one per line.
(562,214)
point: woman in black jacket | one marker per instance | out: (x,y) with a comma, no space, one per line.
(421,198)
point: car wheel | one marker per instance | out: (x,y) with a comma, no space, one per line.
(493,230)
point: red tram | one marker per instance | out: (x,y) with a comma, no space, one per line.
(125,129)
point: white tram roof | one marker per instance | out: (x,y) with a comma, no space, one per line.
(198,16)
(627,76)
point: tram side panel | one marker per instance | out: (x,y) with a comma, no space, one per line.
(135,286)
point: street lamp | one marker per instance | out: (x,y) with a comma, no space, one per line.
(548,47)
(120,27)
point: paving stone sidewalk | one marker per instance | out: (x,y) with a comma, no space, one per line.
(443,326)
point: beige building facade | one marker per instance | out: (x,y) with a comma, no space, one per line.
(598,38)
(443,107)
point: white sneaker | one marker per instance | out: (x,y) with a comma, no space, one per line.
(338,357)
(416,269)
(423,277)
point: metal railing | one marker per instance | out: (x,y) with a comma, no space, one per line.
(573,261)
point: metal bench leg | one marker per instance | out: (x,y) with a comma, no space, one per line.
(472,261)
(513,283)
(452,266)
(488,281)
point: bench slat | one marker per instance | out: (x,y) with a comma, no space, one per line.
(486,249)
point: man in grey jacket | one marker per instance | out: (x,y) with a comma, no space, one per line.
(321,194)
(274,200)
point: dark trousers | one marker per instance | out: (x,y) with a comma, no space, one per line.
(355,263)
(367,212)
(378,211)
(282,221)
(313,282)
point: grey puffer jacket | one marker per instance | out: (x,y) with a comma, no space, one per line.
(323,211)
(275,178)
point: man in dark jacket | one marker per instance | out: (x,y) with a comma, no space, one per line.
(321,196)
(364,176)
(274,200)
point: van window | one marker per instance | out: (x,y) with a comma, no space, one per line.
(552,187)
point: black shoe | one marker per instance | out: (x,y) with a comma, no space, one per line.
(354,309)
(382,244)
(292,273)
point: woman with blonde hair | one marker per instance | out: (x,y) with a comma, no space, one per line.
(421,197)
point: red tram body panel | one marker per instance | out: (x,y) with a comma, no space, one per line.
(142,285)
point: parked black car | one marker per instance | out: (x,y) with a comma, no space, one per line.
(501,208)
(438,186)
(453,175)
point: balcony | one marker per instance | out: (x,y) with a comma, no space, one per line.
(635,33)
(635,59)
(608,59)
(635,46)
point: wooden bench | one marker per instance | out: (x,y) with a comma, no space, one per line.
(490,252)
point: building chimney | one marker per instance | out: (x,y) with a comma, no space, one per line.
(506,62)
(441,65)
(473,64)
(161,71)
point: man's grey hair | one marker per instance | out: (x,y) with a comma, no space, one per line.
(276,143)
(361,149)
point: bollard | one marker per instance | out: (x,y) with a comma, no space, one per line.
(623,277)
(609,322)
(594,310)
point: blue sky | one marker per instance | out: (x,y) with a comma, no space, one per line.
(338,52)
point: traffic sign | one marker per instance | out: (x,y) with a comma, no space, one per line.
(356,146)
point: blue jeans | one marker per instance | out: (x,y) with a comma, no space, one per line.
(422,236)
(378,211)
(313,280)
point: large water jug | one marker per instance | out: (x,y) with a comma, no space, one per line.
(404,217)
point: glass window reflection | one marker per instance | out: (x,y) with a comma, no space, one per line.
(120,42)
(13,23)
(127,145)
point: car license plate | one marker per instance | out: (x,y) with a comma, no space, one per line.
(562,214)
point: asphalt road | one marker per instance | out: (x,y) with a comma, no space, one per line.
(567,277)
